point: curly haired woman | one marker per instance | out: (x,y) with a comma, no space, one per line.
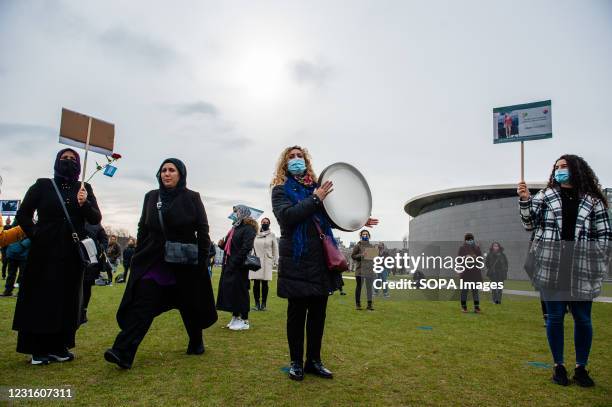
(571,242)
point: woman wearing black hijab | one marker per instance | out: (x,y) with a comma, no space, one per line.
(49,301)
(156,286)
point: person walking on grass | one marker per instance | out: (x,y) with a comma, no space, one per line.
(162,280)
(266,248)
(497,269)
(233,293)
(571,245)
(470,274)
(364,270)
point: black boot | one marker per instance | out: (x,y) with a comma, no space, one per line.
(370,307)
(112,356)
(263,306)
(296,371)
(358,306)
(257,306)
(196,346)
(316,367)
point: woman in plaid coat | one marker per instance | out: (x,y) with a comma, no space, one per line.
(571,250)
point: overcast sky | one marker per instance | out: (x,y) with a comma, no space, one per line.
(403,90)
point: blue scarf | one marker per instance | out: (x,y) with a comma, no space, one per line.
(296,192)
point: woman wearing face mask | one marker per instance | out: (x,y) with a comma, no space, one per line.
(157,286)
(571,246)
(364,270)
(303,276)
(49,302)
(233,295)
(497,269)
(470,274)
(266,248)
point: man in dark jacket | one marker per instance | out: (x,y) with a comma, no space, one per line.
(127,260)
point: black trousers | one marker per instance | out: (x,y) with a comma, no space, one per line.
(126,268)
(308,311)
(264,290)
(14,267)
(369,285)
(150,300)
(4,266)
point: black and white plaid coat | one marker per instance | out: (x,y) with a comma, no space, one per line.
(593,235)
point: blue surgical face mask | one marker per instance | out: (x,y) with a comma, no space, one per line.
(470,242)
(296,166)
(562,175)
(233,217)
(365,238)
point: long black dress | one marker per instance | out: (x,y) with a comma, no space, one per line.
(185,221)
(49,301)
(234,282)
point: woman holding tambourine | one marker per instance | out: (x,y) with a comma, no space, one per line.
(169,266)
(303,276)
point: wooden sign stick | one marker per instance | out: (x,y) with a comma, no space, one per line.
(522,161)
(87,150)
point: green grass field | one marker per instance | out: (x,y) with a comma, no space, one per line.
(404,353)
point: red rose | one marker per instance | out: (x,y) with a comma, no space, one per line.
(116,156)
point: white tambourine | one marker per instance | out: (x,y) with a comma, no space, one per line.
(349,206)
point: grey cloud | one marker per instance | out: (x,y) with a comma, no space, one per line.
(253,184)
(21,129)
(196,108)
(307,72)
(132,45)
(218,201)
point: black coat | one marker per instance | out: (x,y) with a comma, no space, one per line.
(128,253)
(185,221)
(497,266)
(234,282)
(51,288)
(310,275)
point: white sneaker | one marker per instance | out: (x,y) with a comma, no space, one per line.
(241,325)
(232,322)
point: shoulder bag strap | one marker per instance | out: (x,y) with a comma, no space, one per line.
(159,213)
(75,235)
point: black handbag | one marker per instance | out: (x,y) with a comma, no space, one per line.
(85,248)
(177,252)
(252,262)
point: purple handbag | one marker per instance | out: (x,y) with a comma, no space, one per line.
(333,256)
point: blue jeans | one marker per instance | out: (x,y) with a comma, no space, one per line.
(583,330)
